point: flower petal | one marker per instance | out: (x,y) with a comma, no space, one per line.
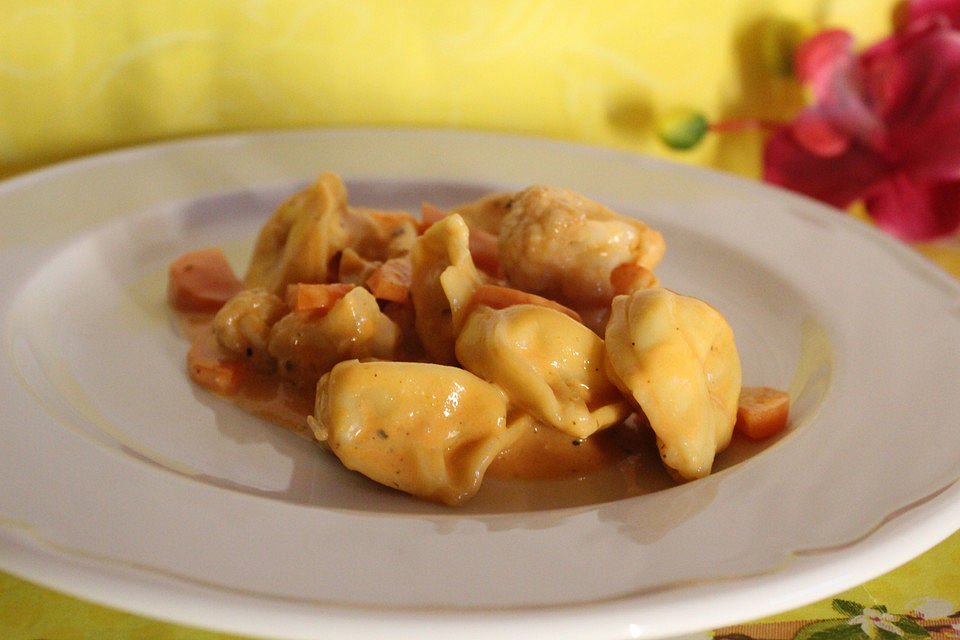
(915,87)
(818,58)
(912,210)
(883,623)
(915,11)
(837,180)
(826,63)
(815,133)
(928,608)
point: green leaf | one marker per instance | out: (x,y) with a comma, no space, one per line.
(830,630)
(883,634)
(911,628)
(808,631)
(847,607)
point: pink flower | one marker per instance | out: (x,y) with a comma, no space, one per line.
(917,10)
(884,127)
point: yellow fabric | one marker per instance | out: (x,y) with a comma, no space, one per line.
(78,77)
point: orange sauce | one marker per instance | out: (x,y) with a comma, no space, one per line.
(267,396)
(540,453)
(277,401)
(544,453)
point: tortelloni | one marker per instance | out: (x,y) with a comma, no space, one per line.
(306,344)
(242,325)
(299,242)
(442,281)
(550,364)
(675,356)
(486,213)
(305,239)
(523,333)
(426,429)
(561,245)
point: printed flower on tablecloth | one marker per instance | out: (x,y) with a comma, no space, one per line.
(873,621)
(884,125)
(863,623)
(931,608)
(926,609)
(927,619)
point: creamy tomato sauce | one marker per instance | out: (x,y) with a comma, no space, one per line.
(541,453)
(267,396)
(546,453)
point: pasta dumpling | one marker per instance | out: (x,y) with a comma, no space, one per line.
(675,356)
(308,234)
(551,365)
(298,243)
(379,234)
(443,278)
(242,325)
(307,344)
(426,429)
(486,213)
(557,243)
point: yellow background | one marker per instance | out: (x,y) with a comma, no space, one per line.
(78,77)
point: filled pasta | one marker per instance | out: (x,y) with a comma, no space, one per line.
(427,429)
(550,364)
(522,335)
(675,356)
(561,245)
(443,277)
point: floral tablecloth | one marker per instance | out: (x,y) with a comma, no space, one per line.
(734,85)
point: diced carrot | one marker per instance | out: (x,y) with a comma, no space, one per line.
(627,278)
(485,251)
(315,297)
(391,280)
(430,214)
(498,297)
(211,368)
(201,280)
(762,412)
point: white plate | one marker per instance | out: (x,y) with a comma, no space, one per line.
(123,484)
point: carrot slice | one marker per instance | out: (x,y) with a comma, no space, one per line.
(201,280)
(211,368)
(498,297)
(315,297)
(391,280)
(430,214)
(485,251)
(762,412)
